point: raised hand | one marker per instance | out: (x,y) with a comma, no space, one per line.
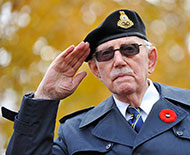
(59,81)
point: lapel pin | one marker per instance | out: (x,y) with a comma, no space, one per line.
(168,115)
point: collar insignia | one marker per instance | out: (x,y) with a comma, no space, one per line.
(124,21)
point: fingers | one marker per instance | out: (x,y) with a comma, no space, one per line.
(79,52)
(78,78)
(81,60)
(72,55)
(67,51)
(69,61)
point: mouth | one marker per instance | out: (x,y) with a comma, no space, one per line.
(121,76)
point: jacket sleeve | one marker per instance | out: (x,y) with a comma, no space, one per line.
(34,128)
(59,146)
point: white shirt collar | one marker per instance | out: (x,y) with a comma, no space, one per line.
(150,97)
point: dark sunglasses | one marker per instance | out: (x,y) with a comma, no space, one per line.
(126,50)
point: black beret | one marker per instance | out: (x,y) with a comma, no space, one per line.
(120,23)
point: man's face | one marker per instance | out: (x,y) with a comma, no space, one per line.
(124,75)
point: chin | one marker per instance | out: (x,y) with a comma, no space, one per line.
(125,89)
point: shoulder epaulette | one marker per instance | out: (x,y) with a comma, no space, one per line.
(8,114)
(64,118)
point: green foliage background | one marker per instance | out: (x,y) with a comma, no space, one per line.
(44,28)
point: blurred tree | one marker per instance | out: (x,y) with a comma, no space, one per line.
(33,32)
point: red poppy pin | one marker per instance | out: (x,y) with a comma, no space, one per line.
(168,115)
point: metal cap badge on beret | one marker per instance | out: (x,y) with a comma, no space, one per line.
(121,23)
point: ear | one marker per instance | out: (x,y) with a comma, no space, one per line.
(152,60)
(94,68)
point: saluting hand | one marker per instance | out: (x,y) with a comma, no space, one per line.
(59,81)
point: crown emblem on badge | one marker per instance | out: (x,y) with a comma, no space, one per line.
(124,21)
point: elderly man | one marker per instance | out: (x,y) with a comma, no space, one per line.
(141,117)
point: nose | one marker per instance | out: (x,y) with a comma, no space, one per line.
(118,60)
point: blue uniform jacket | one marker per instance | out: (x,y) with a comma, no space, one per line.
(102,129)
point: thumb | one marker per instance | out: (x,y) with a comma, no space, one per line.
(78,78)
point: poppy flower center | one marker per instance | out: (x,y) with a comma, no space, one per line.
(168,115)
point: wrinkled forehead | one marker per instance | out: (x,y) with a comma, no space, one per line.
(115,43)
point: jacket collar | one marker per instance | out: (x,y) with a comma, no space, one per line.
(165,91)
(97,112)
(173,93)
(107,127)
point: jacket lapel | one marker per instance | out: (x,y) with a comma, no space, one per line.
(112,126)
(154,126)
(102,109)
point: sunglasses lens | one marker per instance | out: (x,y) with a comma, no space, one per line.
(129,50)
(126,50)
(105,55)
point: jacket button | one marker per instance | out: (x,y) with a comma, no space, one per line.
(108,146)
(179,133)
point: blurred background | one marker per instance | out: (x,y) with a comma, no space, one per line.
(33,33)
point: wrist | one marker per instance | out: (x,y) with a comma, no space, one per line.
(41,96)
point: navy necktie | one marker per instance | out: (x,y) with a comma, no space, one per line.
(135,120)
